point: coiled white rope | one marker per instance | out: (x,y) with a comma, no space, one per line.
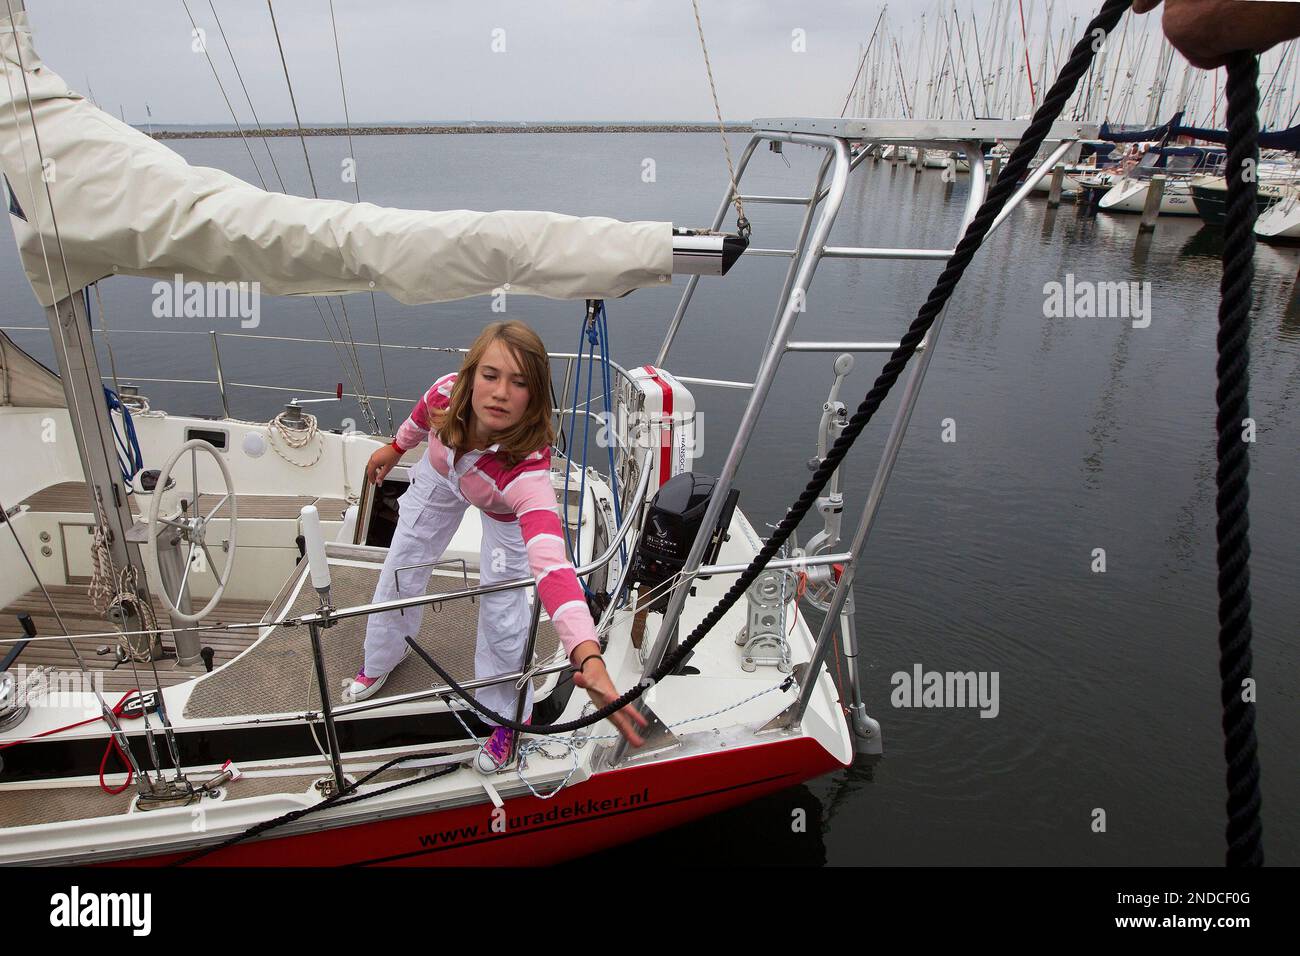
(112,588)
(295,438)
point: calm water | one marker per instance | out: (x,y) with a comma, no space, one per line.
(1072,434)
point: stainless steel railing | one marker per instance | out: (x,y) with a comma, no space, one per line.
(223,384)
(808,251)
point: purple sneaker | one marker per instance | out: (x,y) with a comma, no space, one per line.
(494,753)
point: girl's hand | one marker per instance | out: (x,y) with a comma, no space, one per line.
(381,463)
(595,680)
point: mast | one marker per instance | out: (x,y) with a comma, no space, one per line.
(1119,59)
(965,66)
(1164,60)
(979,60)
(1024,38)
(83,389)
(1047,42)
(92,428)
(916,74)
(1089,111)
(1184,90)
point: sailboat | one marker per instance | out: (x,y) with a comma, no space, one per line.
(208,659)
(1179,164)
(229,587)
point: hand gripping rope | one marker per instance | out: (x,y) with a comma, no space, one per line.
(1233,380)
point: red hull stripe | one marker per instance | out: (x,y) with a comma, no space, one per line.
(542,831)
(780,780)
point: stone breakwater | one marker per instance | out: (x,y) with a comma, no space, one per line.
(446,129)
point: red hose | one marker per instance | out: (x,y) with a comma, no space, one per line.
(113,745)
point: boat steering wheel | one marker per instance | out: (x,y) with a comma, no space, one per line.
(192,526)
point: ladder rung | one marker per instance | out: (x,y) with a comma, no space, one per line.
(841,346)
(857,252)
(770,252)
(779,200)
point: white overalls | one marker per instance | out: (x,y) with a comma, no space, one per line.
(429,512)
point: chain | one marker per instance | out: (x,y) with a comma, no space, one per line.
(578,739)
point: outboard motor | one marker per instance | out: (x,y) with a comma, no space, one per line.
(675,516)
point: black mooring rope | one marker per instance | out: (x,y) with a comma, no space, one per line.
(1244,833)
(1080,58)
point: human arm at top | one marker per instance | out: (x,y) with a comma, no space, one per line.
(1207,31)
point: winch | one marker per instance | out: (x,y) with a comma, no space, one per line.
(12,706)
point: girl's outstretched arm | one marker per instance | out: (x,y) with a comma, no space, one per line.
(530,495)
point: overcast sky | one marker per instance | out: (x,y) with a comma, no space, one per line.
(434,59)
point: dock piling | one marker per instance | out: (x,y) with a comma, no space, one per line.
(1151,209)
(1054,193)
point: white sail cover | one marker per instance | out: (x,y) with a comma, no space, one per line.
(125,204)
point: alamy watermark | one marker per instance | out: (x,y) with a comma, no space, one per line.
(1083,299)
(46,687)
(919,688)
(75,909)
(640,429)
(208,300)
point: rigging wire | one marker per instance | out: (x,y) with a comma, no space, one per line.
(249,99)
(222,87)
(334,333)
(363,399)
(865,53)
(108,341)
(356,186)
(331,332)
(742,224)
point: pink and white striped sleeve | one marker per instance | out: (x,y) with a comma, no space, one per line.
(530,496)
(416,427)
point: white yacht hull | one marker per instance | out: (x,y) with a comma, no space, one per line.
(1281,220)
(1130,195)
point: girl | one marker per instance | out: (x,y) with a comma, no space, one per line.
(489,428)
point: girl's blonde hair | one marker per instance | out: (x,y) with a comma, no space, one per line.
(536,429)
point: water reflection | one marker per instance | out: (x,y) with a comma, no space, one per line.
(1205,243)
(785,828)
(1290,324)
